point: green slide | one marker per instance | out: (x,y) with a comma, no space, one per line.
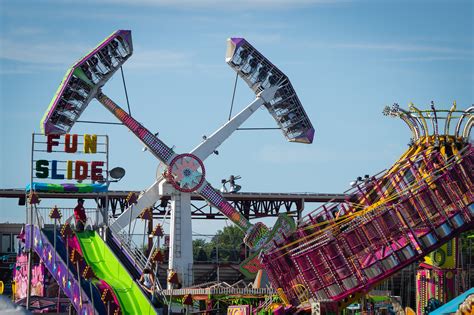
(107,267)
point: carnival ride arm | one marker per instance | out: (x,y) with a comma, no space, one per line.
(147,199)
(270,85)
(202,151)
(206,148)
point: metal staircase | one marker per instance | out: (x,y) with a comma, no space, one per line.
(126,243)
(130,254)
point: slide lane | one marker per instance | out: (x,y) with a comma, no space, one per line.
(107,267)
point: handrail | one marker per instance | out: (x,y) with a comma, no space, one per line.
(139,259)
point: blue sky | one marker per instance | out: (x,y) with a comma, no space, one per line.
(346,60)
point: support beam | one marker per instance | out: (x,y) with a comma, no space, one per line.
(181,259)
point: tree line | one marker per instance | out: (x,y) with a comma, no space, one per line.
(225,247)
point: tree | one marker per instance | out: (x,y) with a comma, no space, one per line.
(230,237)
(229,241)
(201,256)
(199,249)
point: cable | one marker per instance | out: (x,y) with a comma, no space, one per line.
(125,88)
(98,122)
(261,128)
(233,96)
(128,105)
(232,106)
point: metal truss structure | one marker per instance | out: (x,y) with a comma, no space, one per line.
(250,205)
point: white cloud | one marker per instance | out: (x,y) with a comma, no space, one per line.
(403,51)
(219,4)
(403,47)
(41,56)
(27,31)
(16,70)
(430,58)
(45,53)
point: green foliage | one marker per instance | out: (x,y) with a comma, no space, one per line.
(468,234)
(227,243)
(467,242)
(200,250)
(230,236)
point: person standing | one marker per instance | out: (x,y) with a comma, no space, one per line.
(80,215)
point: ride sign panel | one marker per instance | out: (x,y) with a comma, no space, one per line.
(69,162)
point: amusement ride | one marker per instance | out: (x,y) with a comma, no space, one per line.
(333,256)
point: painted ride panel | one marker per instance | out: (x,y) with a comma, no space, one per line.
(63,272)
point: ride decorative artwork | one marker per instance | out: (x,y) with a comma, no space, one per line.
(186,172)
(438,277)
(60,270)
(158,147)
(21,278)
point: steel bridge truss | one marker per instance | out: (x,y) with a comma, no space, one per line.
(251,205)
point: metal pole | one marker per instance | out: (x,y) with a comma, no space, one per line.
(106,211)
(79,283)
(171,297)
(150,239)
(144,233)
(58,305)
(92,296)
(54,242)
(99,209)
(30,221)
(155,277)
(130,221)
(217,254)
(30,264)
(67,256)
